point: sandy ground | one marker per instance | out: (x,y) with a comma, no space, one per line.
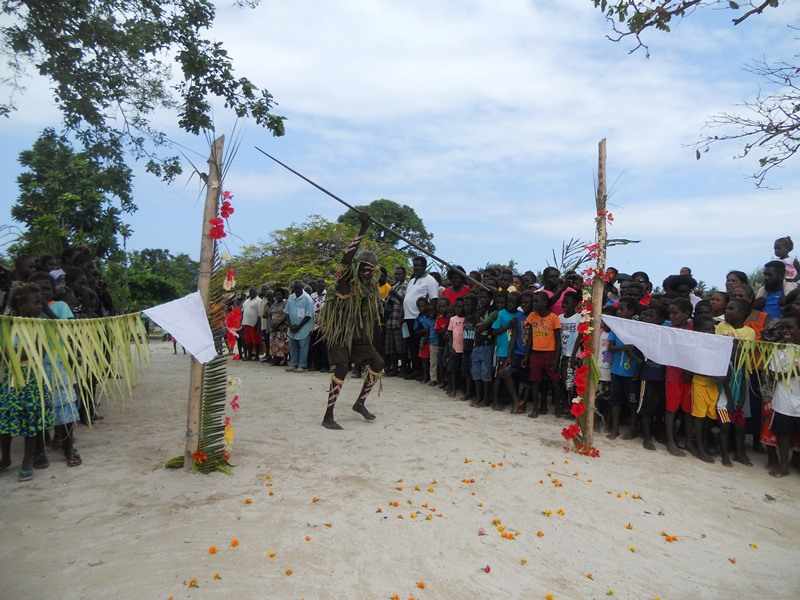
(122,527)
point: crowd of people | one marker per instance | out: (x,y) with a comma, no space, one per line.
(53,287)
(491,337)
(509,341)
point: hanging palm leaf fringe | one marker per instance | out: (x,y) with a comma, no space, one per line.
(98,355)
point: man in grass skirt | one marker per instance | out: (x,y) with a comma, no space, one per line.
(347,323)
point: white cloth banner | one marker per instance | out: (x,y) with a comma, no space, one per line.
(702,353)
(186,320)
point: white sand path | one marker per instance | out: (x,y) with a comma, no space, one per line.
(122,527)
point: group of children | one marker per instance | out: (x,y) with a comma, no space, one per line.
(51,287)
(515,345)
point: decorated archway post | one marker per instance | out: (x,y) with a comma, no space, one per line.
(203,282)
(598,287)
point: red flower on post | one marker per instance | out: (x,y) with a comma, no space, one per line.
(227,195)
(226,210)
(199,457)
(577,409)
(217,230)
(571,432)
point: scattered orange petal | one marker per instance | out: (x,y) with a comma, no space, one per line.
(217,577)
(271,493)
(589,576)
(315,499)
(732,560)
(429,518)
(549,597)
(632,549)
(413,515)
(212,549)
(560,512)
(399,488)
(192,583)
(234,542)
(288,572)
(399,516)
(754,546)
(523,561)
(307,538)
(421,584)
(272,554)
(628,526)
(430,489)
(379,510)
(417,488)
(540,534)
(547,513)
(394,503)
(411,597)
(394,597)
(467,461)
(328,525)
(541,482)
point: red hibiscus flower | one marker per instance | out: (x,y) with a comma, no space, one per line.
(577,409)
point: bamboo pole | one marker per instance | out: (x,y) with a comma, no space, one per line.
(203,281)
(598,286)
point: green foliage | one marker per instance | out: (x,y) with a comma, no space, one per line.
(307,251)
(401,218)
(108,62)
(155,276)
(69,198)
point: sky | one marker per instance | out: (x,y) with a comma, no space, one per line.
(484,117)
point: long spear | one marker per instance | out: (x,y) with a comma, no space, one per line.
(378,223)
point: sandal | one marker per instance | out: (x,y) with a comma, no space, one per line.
(74,459)
(25,474)
(41,461)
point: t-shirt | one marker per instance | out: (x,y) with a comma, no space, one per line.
(623,364)
(772,304)
(605,357)
(651,371)
(440,326)
(424,287)
(743,333)
(251,310)
(569,332)
(791,270)
(520,347)
(543,331)
(383,290)
(297,309)
(456,326)
(469,335)
(61,309)
(503,320)
(427,325)
(453,295)
(786,399)
(263,307)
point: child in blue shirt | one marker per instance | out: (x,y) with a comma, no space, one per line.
(502,327)
(624,372)
(424,327)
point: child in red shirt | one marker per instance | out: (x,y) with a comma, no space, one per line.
(678,383)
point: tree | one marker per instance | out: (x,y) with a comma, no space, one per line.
(769,125)
(311,250)
(401,218)
(109,65)
(155,276)
(69,198)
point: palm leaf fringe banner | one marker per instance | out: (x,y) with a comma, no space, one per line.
(96,353)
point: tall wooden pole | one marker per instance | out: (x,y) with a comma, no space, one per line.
(203,281)
(598,285)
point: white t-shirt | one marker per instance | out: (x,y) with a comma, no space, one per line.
(791,270)
(425,286)
(569,333)
(786,399)
(263,305)
(251,310)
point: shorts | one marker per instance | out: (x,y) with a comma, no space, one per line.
(361,352)
(424,351)
(454,362)
(784,424)
(252,336)
(679,396)
(624,390)
(542,363)
(705,394)
(482,363)
(651,395)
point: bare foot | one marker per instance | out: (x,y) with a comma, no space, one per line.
(648,445)
(332,425)
(743,459)
(675,451)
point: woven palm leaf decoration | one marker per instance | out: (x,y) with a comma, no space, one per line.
(215,381)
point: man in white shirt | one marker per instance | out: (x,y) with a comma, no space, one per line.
(421,285)
(251,312)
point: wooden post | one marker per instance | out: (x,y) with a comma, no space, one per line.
(203,280)
(598,285)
